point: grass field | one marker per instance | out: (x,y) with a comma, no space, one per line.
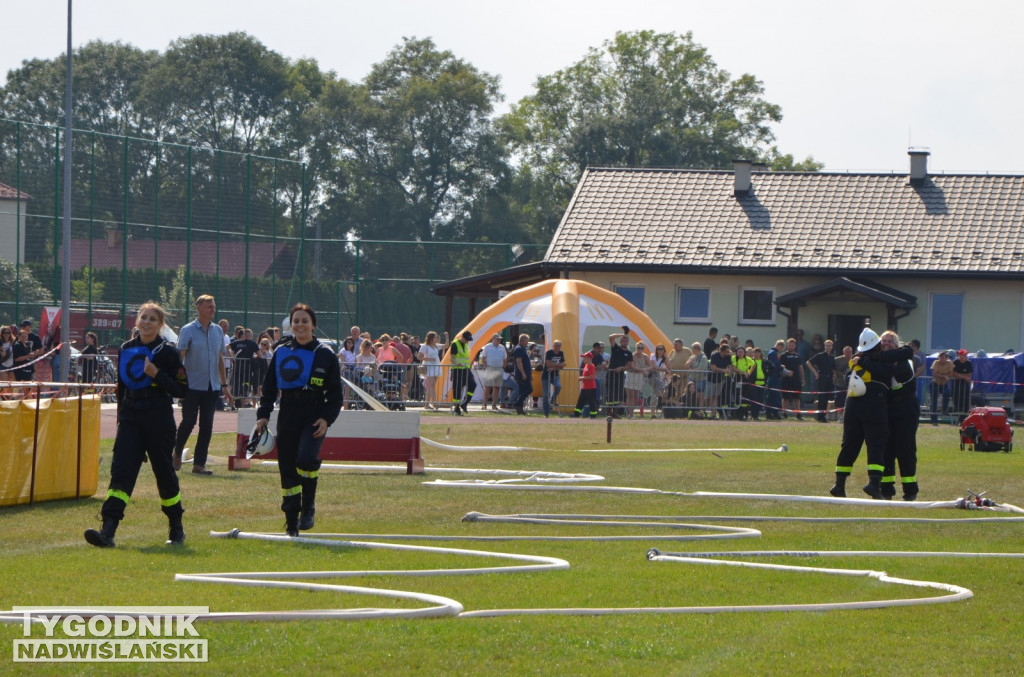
(45,561)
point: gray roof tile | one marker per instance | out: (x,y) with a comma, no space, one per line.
(852,222)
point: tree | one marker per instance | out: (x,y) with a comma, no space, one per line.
(415,145)
(17,282)
(86,288)
(107,80)
(224,91)
(644,99)
(785,163)
(179,298)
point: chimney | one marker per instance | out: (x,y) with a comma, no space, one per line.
(918,165)
(113,237)
(742,183)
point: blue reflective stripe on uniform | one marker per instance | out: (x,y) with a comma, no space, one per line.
(293,367)
(309,474)
(115,493)
(167,502)
(132,367)
(292,491)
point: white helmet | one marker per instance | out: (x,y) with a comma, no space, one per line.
(857,386)
(868,340)
(260,443)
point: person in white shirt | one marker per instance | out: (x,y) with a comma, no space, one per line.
(430,356)
(493,358)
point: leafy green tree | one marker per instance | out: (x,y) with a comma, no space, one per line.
(18,282)
(107,79)
(415,145)
(785,163)
(87,288)
(644,99)
(224,91)
(179,298)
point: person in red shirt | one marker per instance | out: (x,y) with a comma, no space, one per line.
(588,388)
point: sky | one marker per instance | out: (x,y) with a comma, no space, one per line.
(858,83)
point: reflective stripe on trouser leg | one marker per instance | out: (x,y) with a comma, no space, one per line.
(120,495)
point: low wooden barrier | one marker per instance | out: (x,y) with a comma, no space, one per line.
(381,436)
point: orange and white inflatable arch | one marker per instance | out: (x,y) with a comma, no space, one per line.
(565,308)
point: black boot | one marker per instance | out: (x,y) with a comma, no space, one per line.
(308,504)
(888,490)
(874,487)
(291,523)
(910,490)
(839,488)
(176,532)
(104,538)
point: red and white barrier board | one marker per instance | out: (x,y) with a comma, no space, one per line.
(381,436)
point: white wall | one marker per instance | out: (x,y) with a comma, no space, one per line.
(9,249)
(993,313)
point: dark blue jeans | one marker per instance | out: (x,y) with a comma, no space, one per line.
(525,391)
(199,404)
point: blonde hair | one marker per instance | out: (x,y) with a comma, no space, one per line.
(205,298)
(156,308)
(891,333)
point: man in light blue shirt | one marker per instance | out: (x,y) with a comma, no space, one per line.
(201,343)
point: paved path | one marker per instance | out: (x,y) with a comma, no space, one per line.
(223,421)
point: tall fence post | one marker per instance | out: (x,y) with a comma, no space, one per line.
(248,226)
(92,220)
(124,242)
(17,254)
(188,221)
(156,222)
(56,212)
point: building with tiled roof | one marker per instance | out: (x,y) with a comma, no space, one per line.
(760,253)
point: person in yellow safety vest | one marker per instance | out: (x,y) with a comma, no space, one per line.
(757,387)
(744,374)
(463,383)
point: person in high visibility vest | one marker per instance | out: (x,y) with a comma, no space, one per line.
(463,382)
(744,367)
(757,387)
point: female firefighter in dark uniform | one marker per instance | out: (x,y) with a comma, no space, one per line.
(904,414)
(150,373)
(866,420)
(308,376)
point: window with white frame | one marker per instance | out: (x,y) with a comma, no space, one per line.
(693,304)
(757,306)
(633,294)
(945,320)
